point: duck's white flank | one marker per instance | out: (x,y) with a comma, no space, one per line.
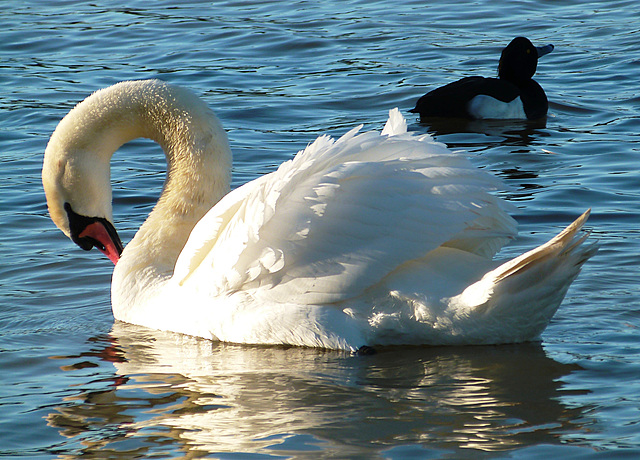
(483,107)
(370,239)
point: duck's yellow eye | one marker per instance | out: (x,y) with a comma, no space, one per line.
(528,50)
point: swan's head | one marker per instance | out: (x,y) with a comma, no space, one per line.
(80,209)
(77,185)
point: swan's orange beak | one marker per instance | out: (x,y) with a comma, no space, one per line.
(103,241)
(89,232)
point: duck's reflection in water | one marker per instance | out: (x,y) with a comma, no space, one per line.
(174,393)
(461,133)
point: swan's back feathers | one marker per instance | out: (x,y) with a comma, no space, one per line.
(342,215)
(396,124)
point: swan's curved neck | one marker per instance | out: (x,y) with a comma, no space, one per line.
(198,173)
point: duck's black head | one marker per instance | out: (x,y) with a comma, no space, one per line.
(519,60)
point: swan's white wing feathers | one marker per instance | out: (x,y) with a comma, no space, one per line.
(396,124)
(342,215)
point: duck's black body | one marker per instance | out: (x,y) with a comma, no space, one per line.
(514,94)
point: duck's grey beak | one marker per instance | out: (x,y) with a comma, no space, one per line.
(542,50)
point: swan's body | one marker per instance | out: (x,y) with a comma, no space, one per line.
(371,239)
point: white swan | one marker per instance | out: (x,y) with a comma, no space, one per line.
(371,239)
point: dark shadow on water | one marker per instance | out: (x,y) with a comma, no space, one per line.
(172,394)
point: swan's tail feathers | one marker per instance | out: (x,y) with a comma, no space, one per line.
(562,245)
(524,293)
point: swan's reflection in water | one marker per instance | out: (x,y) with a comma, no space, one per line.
(173,393)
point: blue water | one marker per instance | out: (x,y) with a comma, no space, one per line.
(278,74)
